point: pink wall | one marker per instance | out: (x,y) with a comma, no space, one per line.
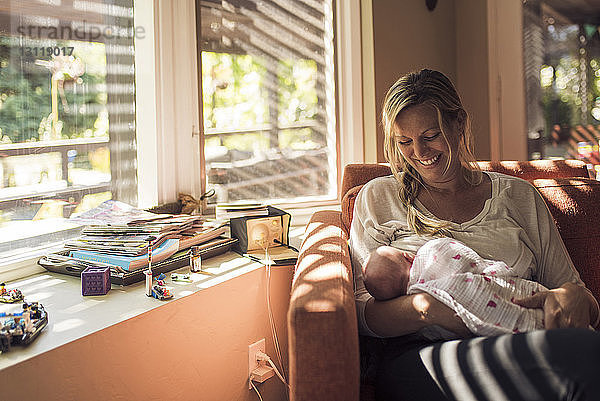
(478,44)
(193,348)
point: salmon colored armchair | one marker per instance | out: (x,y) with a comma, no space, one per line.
(324,356)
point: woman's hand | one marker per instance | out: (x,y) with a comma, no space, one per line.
(566,306)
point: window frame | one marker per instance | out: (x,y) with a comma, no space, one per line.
(348,112)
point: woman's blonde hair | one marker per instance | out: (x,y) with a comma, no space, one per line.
(426,87)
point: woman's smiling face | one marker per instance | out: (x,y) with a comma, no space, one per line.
(421,142)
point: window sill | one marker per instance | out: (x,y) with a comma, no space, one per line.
(22,266)
(16,268)
(73,316)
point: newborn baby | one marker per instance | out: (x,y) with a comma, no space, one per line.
(480,291)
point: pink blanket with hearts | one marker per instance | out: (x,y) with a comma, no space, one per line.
(477,289)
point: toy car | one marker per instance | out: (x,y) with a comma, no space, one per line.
(160,292)
(18,329)
(181,277)
(10,296)
(160,280)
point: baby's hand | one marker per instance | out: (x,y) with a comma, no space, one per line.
(410,257)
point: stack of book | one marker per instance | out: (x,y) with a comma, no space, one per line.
(121,235)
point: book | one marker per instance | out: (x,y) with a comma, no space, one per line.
(166,249)
(117,244)
(109,248)
(225,211)
(112,212)
(188,239)
(151,227)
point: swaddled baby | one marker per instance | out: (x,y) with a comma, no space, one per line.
(480,291)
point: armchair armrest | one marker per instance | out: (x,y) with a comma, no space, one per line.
(322,328)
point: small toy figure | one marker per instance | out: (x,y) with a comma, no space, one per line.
(160,280)
(36,313)
(27,323)
(181,277)
(195,259)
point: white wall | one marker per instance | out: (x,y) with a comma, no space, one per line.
(477,43)
(472,76)
(508,127)
(409,37)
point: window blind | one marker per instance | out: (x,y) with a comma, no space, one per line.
(36,26)
(56,111)
(285,38)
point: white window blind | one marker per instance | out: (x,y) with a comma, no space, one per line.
(67,114)
(268,92)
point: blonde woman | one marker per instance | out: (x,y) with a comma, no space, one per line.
(436,190)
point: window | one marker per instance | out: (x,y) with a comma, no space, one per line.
(122,119)
(562,67)
(67,115)
(268,99)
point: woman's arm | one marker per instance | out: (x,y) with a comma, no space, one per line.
(409,313)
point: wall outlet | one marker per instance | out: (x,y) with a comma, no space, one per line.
(252,362)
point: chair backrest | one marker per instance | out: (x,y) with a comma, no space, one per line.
(359,174)
(356,175)
(575,206)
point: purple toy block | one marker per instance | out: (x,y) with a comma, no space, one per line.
(95,281)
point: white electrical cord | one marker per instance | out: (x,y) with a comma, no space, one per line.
(272,320)
(255,389)
(265,246)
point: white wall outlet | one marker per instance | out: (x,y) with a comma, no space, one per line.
(252,362)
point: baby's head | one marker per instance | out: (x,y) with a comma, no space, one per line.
(386,273)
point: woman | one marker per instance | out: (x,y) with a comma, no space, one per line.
(437,190)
